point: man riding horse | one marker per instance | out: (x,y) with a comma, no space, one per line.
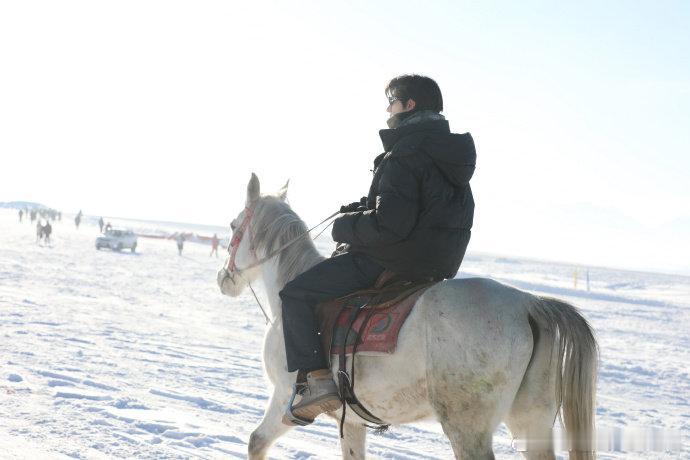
(415,222)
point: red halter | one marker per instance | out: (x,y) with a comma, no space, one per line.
(237,238)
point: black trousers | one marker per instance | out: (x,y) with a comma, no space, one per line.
(327,280)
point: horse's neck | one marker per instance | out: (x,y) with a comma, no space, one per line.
(274,282)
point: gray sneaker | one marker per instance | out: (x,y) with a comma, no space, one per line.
(317,395)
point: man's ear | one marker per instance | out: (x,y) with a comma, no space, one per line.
(282,193)
(410,105)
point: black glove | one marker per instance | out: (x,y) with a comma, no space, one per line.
(360,205)
(352,207)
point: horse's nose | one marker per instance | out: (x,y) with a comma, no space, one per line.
(222,277)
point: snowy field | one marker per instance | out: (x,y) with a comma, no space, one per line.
(120,355)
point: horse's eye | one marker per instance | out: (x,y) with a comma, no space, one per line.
(232,226)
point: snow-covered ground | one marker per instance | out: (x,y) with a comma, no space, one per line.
(120,355)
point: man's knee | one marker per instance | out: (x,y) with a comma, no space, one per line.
(297,287)
(287,292)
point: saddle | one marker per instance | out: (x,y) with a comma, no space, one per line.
(383,307)
(368,321)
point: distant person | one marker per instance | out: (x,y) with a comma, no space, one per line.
(39,231)
(180,243)
(77,219)
(214,245)
(47,230)
(33,215)
(108,227)
(21,215)
(100,225)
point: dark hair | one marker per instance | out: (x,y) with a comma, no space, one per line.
(423,90)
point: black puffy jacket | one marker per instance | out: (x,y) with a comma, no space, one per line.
(420,206)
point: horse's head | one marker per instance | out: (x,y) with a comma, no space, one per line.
(242,264)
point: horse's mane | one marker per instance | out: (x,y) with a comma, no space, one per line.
(275,224)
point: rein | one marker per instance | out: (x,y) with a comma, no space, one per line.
(237,239)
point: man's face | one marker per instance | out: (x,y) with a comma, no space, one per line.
(396,106)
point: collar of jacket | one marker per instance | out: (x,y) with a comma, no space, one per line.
(390,137)
(396,120)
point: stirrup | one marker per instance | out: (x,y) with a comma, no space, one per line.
(291,419)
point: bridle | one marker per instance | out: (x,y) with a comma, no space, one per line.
(231,268)
(237,239)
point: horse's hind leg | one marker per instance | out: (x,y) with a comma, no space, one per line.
(469,443)
(353,445)
(468,420)
(532,426)
(533,413)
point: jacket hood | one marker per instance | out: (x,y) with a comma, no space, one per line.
(453,154)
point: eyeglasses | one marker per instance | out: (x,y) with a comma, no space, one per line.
(392,99)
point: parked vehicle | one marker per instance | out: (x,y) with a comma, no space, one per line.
(117,240)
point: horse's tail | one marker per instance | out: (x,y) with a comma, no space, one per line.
(576,351)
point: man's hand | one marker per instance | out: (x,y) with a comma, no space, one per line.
(340,248)
(352,207)
(360,205)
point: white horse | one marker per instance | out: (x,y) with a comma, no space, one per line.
(472,353)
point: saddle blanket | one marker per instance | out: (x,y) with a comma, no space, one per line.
(376,329)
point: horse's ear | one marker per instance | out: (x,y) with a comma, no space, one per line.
(253,190)
(282,193)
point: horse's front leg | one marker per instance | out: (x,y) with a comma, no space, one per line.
(353,443)
(271,427)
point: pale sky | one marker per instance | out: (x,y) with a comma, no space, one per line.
(162,109)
